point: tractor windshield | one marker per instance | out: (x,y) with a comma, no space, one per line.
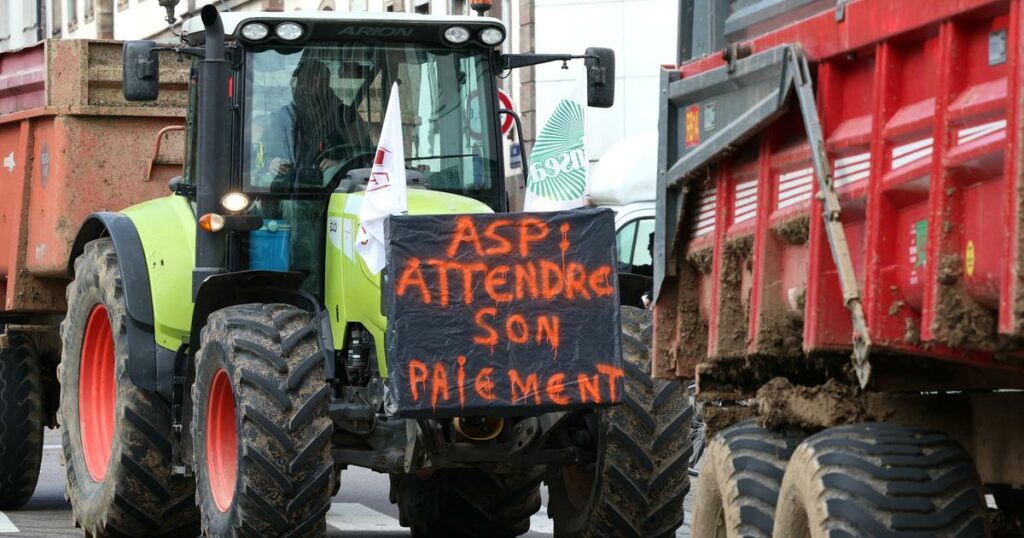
(315,114)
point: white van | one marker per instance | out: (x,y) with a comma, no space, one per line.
(625,180)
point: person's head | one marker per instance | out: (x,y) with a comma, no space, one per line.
(311,82)
(316,103)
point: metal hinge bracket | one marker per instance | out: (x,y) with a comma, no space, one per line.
(840,10)
(831,213)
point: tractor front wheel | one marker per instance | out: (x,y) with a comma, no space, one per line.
(637,485)
(115,437)
(262,434)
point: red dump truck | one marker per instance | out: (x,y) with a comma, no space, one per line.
(839,263)
(70,145)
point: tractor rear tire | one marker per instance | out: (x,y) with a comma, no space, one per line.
(262,433)
(115,436)
(740,477)
(21,422)
(465,503)
(880,480)
(637,485)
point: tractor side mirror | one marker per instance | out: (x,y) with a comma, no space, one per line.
(141,71)
(600,64)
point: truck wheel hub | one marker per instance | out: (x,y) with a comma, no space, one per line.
(97,393)
(221,441)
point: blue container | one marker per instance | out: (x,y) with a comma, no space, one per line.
(269,247)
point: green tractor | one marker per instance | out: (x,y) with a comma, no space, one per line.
(225,353)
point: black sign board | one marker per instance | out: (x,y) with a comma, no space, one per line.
(502,314)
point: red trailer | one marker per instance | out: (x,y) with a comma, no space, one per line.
(839,259)
(70,145)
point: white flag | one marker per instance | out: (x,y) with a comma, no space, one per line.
(557,178)
(385,192)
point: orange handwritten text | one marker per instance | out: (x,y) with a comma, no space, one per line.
(491,337)
(525,237)
(555,388)
(530,230)
(613,373)
(483,385)
(440,384)
(417,377)
(590,388)
(522,390)
(412,276)
(502,246)
(465,232)
(462,380)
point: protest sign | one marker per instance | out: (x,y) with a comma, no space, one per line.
(492,314)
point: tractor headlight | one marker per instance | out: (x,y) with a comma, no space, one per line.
(288,31)
(457,35)
(255,31)
(491,36)
(235,202)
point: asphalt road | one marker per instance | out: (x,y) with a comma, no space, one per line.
(360,509)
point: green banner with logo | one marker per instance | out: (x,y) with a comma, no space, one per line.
(557,178)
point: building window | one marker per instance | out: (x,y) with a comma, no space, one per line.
(30,17)
(4,26)
(72,15)
(56,27)
(89,11)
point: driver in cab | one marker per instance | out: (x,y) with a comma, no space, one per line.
(315,132)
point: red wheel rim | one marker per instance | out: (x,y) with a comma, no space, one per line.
(97,393)
(221,441)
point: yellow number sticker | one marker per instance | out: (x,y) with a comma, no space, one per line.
(969,258)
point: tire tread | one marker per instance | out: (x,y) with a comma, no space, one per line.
(642,474)
(144,499)
(21,422)
(888,480)
(271,353)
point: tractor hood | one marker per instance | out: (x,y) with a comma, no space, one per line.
(352,293)
(421,202)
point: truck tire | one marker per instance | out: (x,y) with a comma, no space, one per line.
(262,434)
(740,477)
(115,437)
(21,422)
(468,503)
(637,485)
(880,480)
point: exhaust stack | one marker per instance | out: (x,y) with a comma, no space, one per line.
(214,150)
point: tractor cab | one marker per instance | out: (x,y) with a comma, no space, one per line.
(292,109)
(305,102)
